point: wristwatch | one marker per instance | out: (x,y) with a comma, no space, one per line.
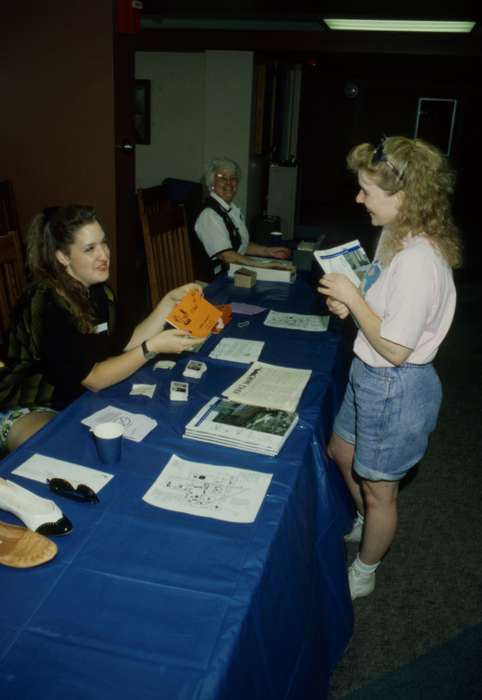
(147,353)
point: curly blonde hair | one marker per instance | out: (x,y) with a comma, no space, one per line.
(423,174)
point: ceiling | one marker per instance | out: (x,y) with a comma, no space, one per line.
(296,26)
(299,13)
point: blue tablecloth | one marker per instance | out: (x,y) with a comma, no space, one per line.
(142,602)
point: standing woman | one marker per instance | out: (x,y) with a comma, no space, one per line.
(403,311)
(64,335)
(220,226)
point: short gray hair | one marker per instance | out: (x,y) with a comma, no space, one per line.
(220,164)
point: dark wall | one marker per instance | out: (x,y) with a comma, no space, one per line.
(57,106)
(388,88)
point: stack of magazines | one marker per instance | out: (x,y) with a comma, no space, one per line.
(239,425)
(257,413)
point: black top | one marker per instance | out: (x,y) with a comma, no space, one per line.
(208,264)
(49,355)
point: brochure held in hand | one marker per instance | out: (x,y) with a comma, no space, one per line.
(195,315)
(348,259)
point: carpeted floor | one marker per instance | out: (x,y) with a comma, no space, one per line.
(419,635)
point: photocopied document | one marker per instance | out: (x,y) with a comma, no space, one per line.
(297,322)
(270,386)
(220,492)
(237,350)
(136,425)
(40,468)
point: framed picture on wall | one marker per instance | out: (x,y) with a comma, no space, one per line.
(142,116)
(435,121)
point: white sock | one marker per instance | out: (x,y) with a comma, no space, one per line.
(363,568)
(359,518)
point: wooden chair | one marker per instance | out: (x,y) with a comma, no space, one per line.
(166,241)
(12,279)
(8,209)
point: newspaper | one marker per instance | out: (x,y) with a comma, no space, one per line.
(349,259)
(269,386)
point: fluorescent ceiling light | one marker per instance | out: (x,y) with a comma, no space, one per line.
(389,25)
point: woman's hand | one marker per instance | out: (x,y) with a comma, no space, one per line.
(278,252)
(173,341)
(169,300)
(175,295)
(338,288)
(337,308)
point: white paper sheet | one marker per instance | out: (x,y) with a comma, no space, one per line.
(297,322)
(136,425)
(40,468)
(220,492)
(237,350)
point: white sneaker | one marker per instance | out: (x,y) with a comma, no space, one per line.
(360,584)
(356,533)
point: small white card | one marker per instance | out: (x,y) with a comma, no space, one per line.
(143,390)
(40,468)
(164,364)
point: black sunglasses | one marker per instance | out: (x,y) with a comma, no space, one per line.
(80,493)
(379,156)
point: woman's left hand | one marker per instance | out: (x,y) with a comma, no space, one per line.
(175,295)
(279,252)
(338,287)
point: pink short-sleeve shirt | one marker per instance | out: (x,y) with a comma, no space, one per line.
(415,298)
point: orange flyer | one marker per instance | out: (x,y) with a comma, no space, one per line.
(195,315)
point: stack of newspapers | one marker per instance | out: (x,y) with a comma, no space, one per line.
(257,413)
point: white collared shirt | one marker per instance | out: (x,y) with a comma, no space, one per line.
(212,232)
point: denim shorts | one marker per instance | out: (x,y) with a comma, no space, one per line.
(388,414)
(8,418)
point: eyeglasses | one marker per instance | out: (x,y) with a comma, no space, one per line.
(227,178)
(80,493)
(379,156)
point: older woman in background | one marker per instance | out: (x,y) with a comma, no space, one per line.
(220,226)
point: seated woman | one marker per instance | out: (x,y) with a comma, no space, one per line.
(64,336)
(220,226)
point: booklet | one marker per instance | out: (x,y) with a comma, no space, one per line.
(241,426)
(195,315)
(349,259)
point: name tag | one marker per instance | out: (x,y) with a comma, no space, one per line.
(101,328)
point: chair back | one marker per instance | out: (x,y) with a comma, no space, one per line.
(12,279)
(166,241)
(8,209)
